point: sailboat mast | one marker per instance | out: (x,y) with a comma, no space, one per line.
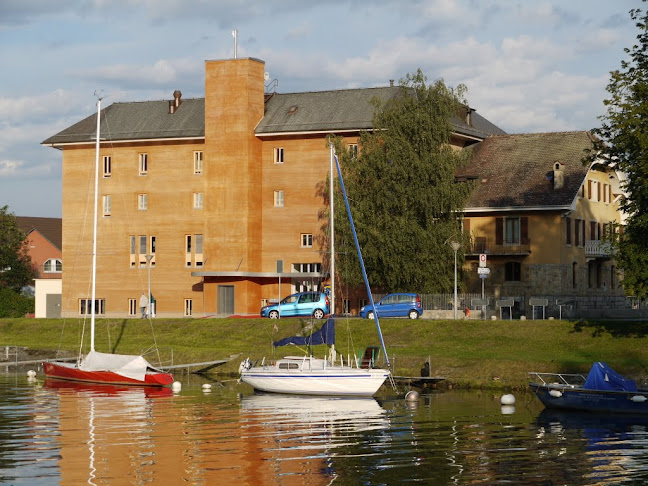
(332,218)
(362,265)
(94,231)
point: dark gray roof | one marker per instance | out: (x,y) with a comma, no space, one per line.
(339,110)
(50,228)
(517,170)
(137,121)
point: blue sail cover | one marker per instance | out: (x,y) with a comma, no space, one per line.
(602,377)
(326,335)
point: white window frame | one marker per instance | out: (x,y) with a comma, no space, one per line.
(143,164)
(132,307)
(100,306)
(307,240)
(278,155)
(279,199)
(353,150)
(197,200)
(53,265)
(107,166)
(194,255)
(188,307)
(142,202)
(198,162)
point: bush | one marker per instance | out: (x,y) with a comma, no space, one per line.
(13,304)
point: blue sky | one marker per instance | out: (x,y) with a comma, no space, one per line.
(529,65)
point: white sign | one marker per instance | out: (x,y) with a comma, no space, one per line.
(482,260)
(483,271)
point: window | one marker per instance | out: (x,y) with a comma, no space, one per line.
(346,306)
(307,240)
(194,250)
(278,155)
(107,165)
(140,246)
(132,307)
(568,231)
(353,150)
(188,307)
(198,162)
(577,232)
(198,200)
(142,202)
(312,284)
(143,164)
(574,275)
(107,205)
(85,307)
(512,272)
(512,231)
(278,199)
(53,265)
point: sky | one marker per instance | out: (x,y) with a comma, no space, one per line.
(528,65)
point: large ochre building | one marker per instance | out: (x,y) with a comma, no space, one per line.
(214,201)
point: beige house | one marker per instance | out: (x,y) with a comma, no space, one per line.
(541,217)
(221,194)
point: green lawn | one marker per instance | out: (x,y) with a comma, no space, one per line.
(487,354)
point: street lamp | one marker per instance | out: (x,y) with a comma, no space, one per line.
(150,304)
(455,246)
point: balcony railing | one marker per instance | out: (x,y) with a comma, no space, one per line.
(485,245)
(598,248)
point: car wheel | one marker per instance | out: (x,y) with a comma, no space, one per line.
(413,314)
(318,314)
(370,315)
(273,315)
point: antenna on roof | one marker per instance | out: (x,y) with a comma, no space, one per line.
(235,34)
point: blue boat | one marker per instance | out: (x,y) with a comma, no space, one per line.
(603,390)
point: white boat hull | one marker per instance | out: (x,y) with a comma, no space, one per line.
(315,380)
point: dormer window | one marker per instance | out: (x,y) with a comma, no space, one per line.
(53,265)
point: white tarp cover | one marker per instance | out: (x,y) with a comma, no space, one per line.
(126,365)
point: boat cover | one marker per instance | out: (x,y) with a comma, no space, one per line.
(602,377)
(326,335)
(127,365)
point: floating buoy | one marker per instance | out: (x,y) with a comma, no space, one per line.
(555,393)
(508,409)
(206,387)
(176,386)
(507,399)
(412,396)
(639,398)
(31,373)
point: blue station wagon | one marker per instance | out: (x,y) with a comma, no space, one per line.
(314,304)
(395,305)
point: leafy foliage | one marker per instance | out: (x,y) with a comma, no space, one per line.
(13,304)
(623,145)
(402,190)
(16,268)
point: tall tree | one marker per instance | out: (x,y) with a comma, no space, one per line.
(16,268)
(623,145)
(405,201)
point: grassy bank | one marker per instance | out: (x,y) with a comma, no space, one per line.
(485,354)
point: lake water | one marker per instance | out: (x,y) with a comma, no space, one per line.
(58,433)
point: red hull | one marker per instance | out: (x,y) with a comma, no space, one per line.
(65,371)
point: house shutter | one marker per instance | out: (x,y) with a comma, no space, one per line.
(577,230)
(499,231)
(524,230)
(568,230)
(466,225)
(593,231)
(589,189)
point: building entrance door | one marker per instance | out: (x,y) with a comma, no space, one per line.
(225,299)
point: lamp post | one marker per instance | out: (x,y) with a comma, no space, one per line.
(150,304)
(455,246)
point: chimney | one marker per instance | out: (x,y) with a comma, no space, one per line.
(558,175)
(391,83)
(175,103)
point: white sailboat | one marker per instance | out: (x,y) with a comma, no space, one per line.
(307,375)
(96,367)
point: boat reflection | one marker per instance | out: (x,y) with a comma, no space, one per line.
(106,389)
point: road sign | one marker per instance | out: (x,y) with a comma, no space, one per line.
(483,271)
(482,260)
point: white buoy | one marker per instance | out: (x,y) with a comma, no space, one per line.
(555,393)
(508,409)
(31,373)
(412,396)
(206,387)
(639,398)
(507,399)
(176,386)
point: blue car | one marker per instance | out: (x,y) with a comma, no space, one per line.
(395,305)
(314,304)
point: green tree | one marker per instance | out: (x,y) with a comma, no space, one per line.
(16,268)
(623,145)
(404,198)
